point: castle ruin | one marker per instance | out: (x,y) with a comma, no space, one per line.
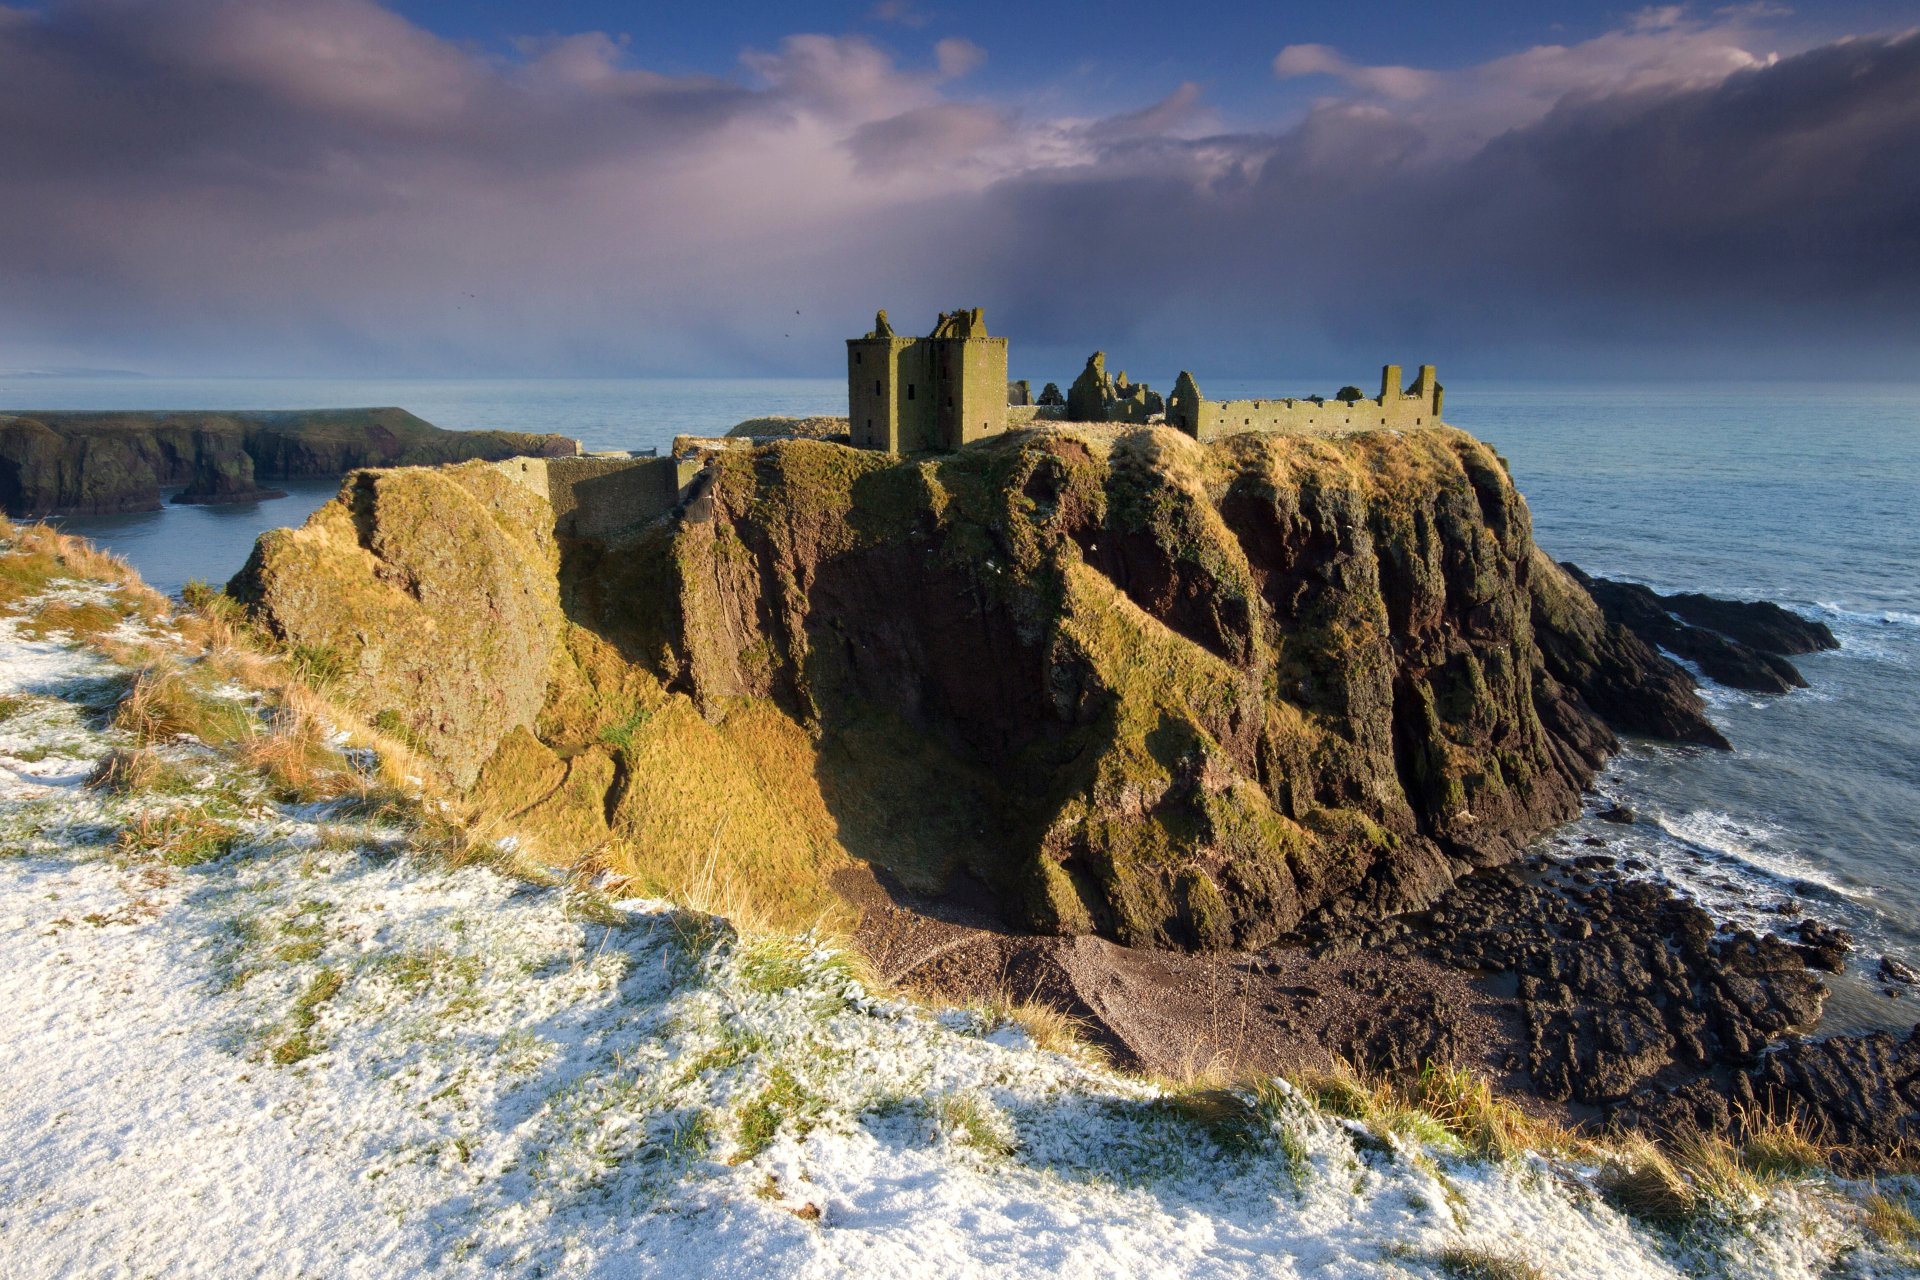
(1204,419)
(910,395)
(950,388)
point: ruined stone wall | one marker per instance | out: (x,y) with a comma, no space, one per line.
(596,497)
(1392,409)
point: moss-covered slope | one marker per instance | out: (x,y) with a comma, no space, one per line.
(1173,693)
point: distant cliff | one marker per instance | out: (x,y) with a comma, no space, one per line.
(83,463)
(1167,692)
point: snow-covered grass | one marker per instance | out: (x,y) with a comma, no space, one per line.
(246,1031)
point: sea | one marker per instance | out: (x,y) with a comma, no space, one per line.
(1808,495)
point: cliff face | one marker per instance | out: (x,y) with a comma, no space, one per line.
(1167,692)
(90,463)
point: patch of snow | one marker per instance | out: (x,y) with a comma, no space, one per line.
(318,1055)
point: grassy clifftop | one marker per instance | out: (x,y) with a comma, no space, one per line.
(1167,692)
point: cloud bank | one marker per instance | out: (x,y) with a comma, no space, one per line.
(320,186)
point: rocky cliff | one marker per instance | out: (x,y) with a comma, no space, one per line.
(89,463)
(1171,693)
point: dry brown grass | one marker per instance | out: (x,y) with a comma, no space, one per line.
(1051,1029)
(295,753)
(166,701)
(1893,1223)
(37,554)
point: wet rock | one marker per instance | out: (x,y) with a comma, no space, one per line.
(1592,660)
(1892,970)
(1616,813)
(1823,946)
(1728,661)
(1625,989)
(1864,1089)
(1759,624)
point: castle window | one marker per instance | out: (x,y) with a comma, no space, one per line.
(949,402)
(876,386)
(909,391)
(856,357)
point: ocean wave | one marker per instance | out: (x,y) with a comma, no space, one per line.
(1745,841)
(1880,617)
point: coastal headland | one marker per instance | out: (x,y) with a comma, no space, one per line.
(1227,747)
(70,462)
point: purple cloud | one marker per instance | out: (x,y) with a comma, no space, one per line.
(319,185)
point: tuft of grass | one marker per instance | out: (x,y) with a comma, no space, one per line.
(1776,1148)
(1487,1126)
(1639,1179)
(141,770)
(178,837)
(163,703)
(1052,1030)
(973,1121)
(783,1101)
(11,706)
(294,753)
(621,734)
(1235,1121)
(300,1042)
(1483,1262)
(1893,1223)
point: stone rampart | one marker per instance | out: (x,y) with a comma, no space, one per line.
(597,496)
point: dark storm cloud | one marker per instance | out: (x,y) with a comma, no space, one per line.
(226,185)
(1771,217)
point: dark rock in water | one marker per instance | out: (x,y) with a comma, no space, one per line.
(1824,946)
(222,472)
(1729,662)
(1758,624)
(1892,970)
(1616,813)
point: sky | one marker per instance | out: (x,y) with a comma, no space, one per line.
(591,188)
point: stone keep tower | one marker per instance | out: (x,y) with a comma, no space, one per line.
(910,395)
